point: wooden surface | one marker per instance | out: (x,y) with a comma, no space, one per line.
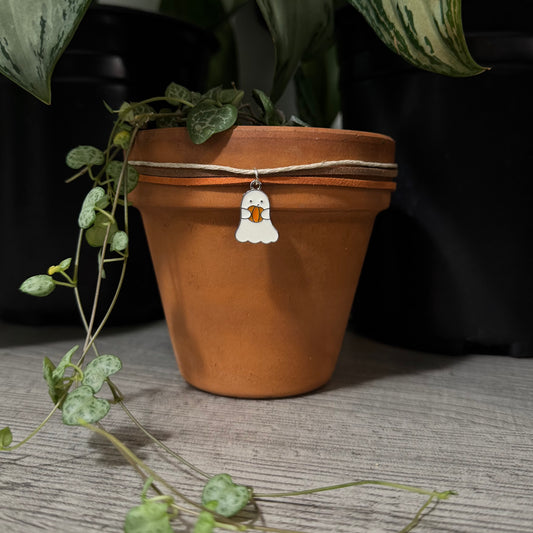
(463,423)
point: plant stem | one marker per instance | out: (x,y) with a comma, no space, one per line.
(63,283)
(409,488)
(90,336)
(418,516)
(37,429)
(77,175)
(152,437)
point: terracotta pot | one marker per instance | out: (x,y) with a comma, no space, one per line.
(259,320)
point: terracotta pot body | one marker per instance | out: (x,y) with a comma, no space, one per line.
(259,320)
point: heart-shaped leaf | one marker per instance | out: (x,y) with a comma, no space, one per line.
(82,156)
(33,35)
(176,94)
(136,114)
(86,217)
(6,438)
(123,137)
(206,119)
(99,369)
(119,242)
(39,285)
(223,496)
(95,234)
(149,517)
(81,404)
(96,197)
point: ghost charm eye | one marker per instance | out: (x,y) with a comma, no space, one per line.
(255,225)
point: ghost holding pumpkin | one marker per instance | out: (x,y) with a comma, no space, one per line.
(255,224)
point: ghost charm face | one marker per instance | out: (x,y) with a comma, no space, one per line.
(255,224)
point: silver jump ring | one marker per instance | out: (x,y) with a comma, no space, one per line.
(255,184)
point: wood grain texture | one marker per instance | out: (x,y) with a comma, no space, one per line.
(462,423)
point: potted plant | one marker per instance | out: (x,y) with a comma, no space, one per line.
(294,42)
(340,185)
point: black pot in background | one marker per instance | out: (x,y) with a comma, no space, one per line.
(117,54)
(450,265)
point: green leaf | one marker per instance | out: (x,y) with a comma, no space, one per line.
(136,113)
(149,517)
(125,112)
(33,35)
(99,369)
(123,138)
(176,94)
(48,371)
(212,94)
(82,156)
(114,169)
(96,197)
(81,404)
(223,496)
(231,96)
(62,267)
(428,34)
(59,371)
(65,264)
(206,119)
(54,376)
(119,242)
(271,115)
(39,285)
(95,234)
(205,523)
(86,217)
(299,29)
(6,438)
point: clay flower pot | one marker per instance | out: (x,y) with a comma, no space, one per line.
(259,320)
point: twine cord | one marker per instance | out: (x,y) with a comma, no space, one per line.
(267,171)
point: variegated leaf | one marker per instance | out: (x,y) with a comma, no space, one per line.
(33,35)
(427,33)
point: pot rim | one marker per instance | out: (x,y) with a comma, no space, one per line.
(297,155)
(245,129)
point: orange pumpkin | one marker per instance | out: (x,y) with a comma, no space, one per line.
(255,213)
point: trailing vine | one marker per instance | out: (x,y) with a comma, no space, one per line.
(75,382)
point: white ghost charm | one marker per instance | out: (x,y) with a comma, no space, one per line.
(255,225)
